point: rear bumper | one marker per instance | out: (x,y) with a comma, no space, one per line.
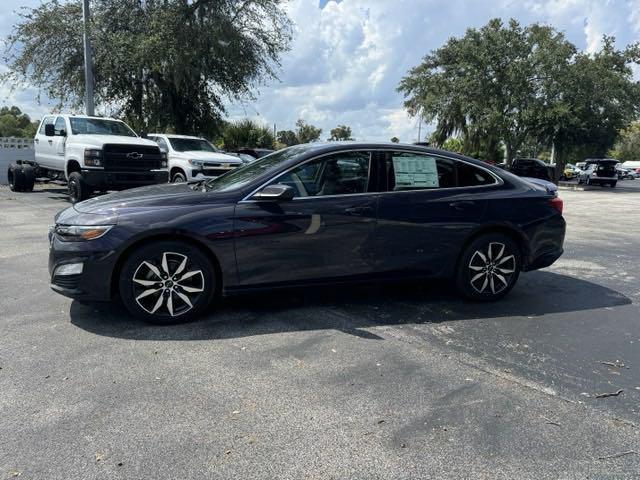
(121,180)
(546,243)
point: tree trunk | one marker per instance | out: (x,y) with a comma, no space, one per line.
(509,148)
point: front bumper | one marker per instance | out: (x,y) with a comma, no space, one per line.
(98,261)
(120,180)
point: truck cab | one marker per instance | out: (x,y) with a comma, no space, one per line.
(96,153)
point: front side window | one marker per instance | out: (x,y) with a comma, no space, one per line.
(161,143)
(46,121)
(100,126)
(59,126)
(345,173)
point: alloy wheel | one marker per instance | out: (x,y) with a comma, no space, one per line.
(169,285)
(492,268)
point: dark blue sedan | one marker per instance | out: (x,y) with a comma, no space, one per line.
(307,215)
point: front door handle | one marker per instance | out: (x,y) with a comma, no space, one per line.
(462,204)
(358,211)
(37,140)
(50,142)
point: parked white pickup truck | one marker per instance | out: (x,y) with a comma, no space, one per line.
(193,158)
(95,153)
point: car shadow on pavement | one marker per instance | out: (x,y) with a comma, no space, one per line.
(351,309)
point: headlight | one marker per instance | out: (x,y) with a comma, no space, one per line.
(196,163)
(77,233)
(93,157)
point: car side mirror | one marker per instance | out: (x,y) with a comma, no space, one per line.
(49,130)
(275,193)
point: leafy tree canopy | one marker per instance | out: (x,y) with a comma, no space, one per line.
(14,123)
(162,63)
(246,133)
(627,147)
(340,133)
(307,133)
(514,85)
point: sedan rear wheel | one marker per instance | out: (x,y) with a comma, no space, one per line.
(489,267)
(167,282)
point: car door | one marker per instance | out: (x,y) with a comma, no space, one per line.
(59,140)
(44,153)
(326,231)
(431,206)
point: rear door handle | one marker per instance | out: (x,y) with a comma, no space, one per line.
(462,204)
(358,210)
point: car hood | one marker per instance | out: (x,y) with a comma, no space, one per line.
(153,196)
(207,156)
(100,140)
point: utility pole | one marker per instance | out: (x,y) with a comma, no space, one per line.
(88,64)
(419,127)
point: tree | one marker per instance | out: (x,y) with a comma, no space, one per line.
(489,81)
(245,133)
(627,147)
(395,140)
(162,63)
(340,134)
(307,133)
(14,123)
(287,138)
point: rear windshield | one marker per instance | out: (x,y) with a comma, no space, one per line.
(100,126)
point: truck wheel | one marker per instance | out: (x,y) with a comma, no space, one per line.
(78,189)
(16,178)
(613,184)
(178,177)
(29,177)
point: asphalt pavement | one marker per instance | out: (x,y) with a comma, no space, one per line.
(386,381)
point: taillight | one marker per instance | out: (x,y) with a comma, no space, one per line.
(557,203)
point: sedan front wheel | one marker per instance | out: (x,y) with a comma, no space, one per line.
(167,282)
(489,267)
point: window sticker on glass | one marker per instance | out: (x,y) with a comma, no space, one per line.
(415,171)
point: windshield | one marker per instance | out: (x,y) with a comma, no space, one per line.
(191,144)
(243,175)
(100,126)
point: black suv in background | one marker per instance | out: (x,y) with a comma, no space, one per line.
(599,171)
(532,168)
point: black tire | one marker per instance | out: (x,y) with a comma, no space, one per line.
(492,277)
(166,304)
(78,189)
(613,184)
(29,177)
(178,177)
(16,177)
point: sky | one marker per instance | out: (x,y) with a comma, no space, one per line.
(348,56)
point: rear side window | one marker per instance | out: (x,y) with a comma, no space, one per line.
(470,176)
(407,171)
(46,121)
(411,171)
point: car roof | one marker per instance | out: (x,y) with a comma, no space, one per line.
(73,115)
(173,135)
(601,160)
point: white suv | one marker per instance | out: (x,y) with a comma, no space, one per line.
(193,158)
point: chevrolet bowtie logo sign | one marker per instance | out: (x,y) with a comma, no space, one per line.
(134,155)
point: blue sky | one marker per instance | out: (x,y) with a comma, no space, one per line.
(348,56)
